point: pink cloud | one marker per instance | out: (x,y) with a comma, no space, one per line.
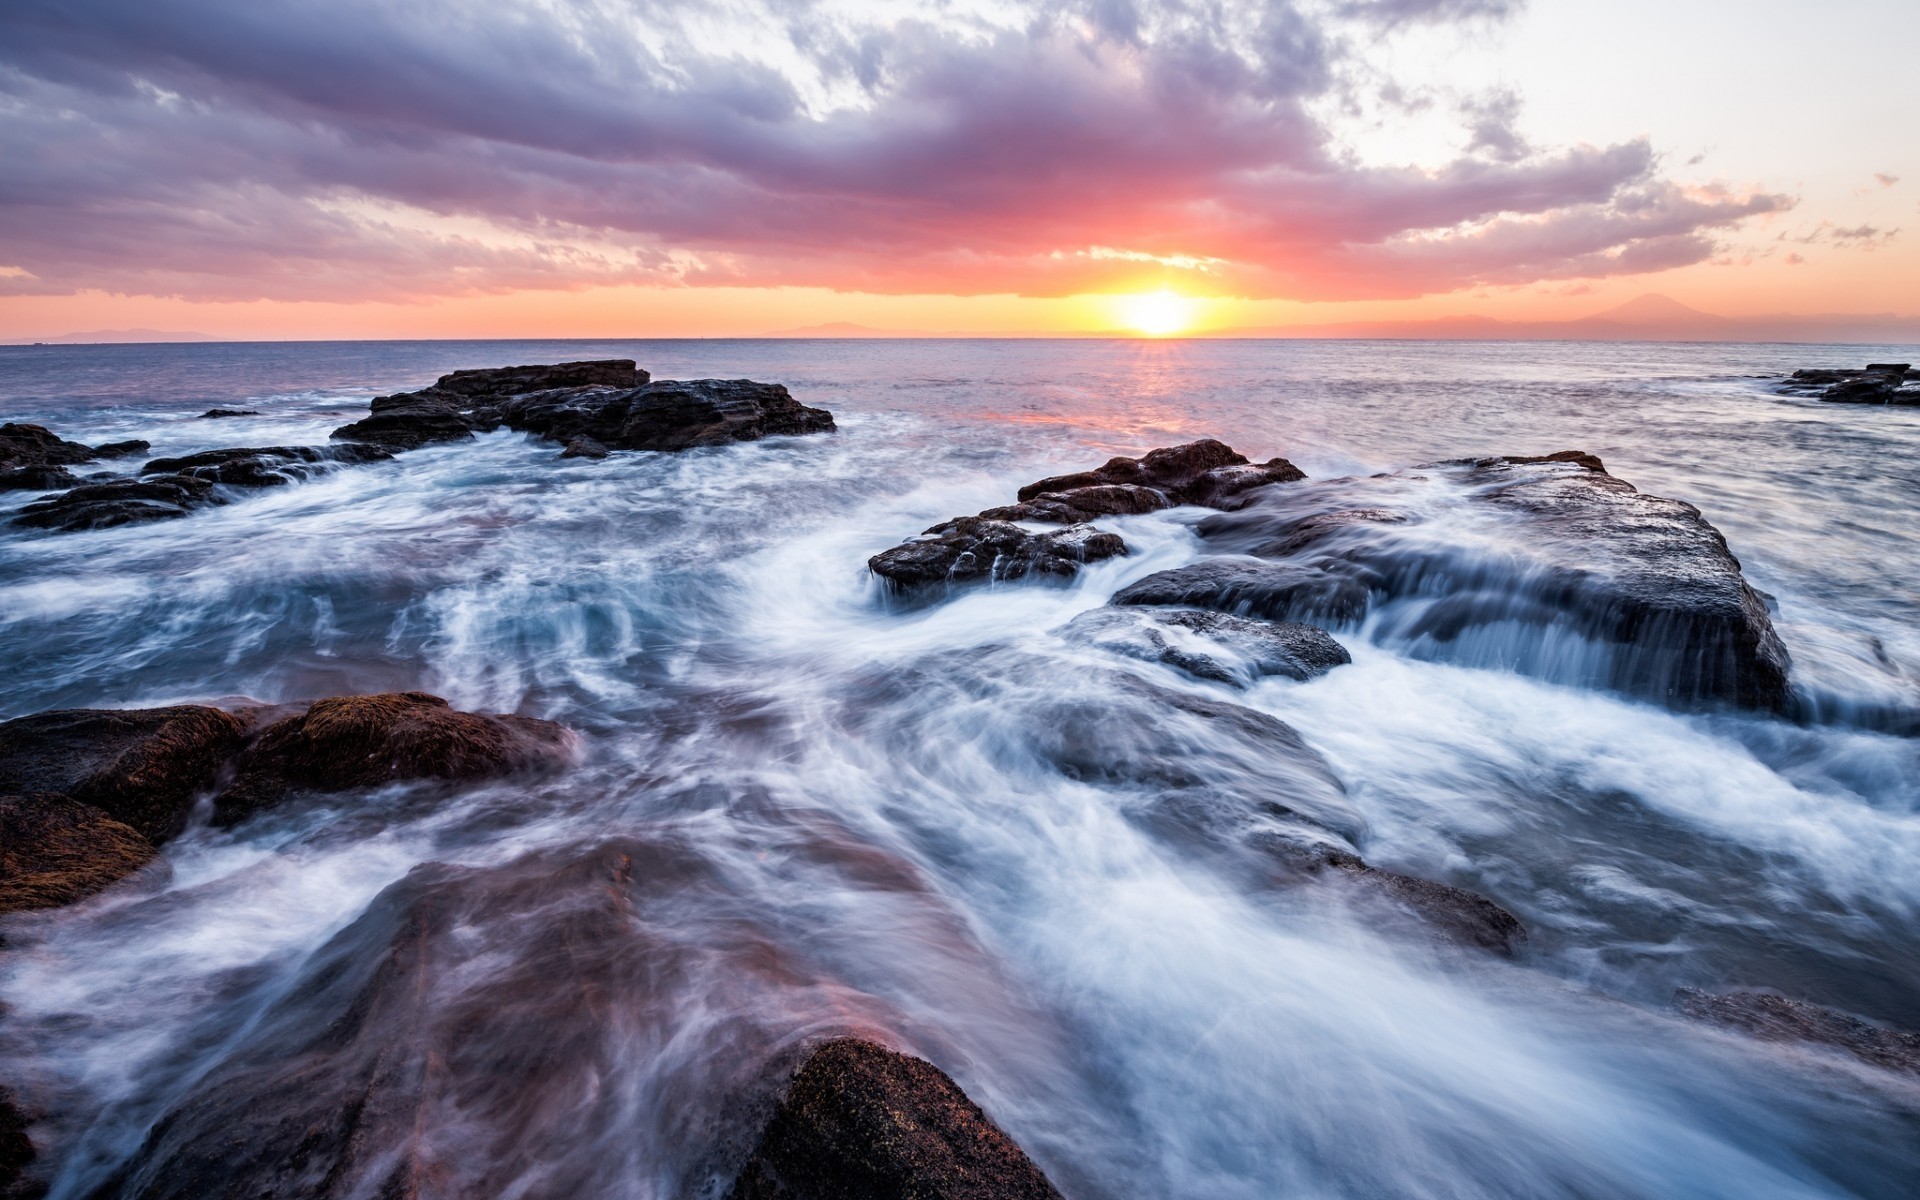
(350,150)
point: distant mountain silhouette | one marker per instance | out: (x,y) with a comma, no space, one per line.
(121,335)
(1651,317)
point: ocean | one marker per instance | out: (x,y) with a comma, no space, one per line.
(942,825)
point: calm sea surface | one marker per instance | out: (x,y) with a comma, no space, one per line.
(857,821)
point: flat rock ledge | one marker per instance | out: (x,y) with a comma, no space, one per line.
(861,1122)
(88,795)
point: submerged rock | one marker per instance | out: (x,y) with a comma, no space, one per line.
(1207,473)
(667,414)
(968,550)
(1210,645)
(1781,1019)
(141,766)
(54,851)
(584,447)
(350,742)
(215,414)
(861,1122)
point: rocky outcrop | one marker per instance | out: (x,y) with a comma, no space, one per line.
(55,851)
(37,446)
(215,414)
(37,479)
(1876,383)
(87,794)
(970,550)
(120,502)
(861,1122)
(142,766)
(1209,645)
(171,488)
(1782,1019)
(667,415)
(271,466)
(1510,560)
(350,742)
(993,548)
(1205,473)
(463,403)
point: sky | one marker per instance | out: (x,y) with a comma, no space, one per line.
(598,168)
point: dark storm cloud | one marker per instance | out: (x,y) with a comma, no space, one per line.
(346,150)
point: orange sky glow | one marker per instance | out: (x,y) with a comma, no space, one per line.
(1455,158)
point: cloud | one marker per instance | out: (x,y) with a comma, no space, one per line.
(1886,181)
(354,149)
(1862,236)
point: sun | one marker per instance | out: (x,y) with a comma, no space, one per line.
(1158,314)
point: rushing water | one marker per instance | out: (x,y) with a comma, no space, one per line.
(840,815)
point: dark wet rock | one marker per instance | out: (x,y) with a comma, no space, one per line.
(667,414)
(54,851)
(463,403)
(141,766)
(120,502)
(1210,645)
(514,381)
(1876,383)
(37,479)
(1320,594)
(16,1152)
(272,466)
(968,550)
(1462,917)
(124,449)
(349,742)
(1077,505)
(1534,548)
(24,445)
(215,414)
(417,419)
(1781,1019)
(584,447)
(1207,473)
(861,1122)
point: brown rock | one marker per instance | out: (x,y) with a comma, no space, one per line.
(1782,1019)
(1206,472)
(142,767)
(363,741)
(16,1150)
(861,1122)
(54,851)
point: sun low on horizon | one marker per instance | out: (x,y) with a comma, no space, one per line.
(1157,314)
